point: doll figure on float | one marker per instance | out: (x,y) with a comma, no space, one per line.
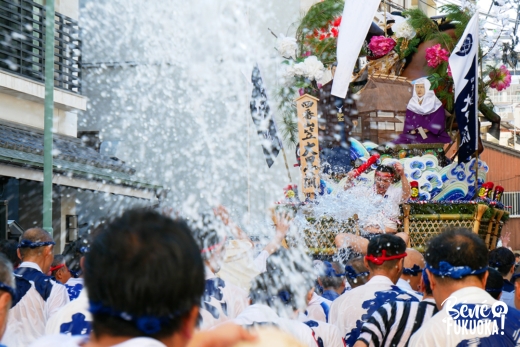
(425,120)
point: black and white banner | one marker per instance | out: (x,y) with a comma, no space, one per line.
(463,63)
(263,118)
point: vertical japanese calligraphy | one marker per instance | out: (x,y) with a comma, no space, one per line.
(307,107)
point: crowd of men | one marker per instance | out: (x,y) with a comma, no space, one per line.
(150,280)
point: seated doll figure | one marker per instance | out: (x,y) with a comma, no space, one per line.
(425,120)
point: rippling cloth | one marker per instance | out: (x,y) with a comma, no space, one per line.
(72,319)
(355,306)
(39,297)
(324,333)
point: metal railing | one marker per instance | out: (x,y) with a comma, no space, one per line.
(22,44)
(512,199)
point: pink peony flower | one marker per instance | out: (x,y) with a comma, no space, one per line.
(436,55)
(380,45)
(500,78)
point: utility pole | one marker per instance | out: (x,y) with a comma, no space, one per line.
(48,116)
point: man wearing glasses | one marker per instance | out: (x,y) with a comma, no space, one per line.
(389,196)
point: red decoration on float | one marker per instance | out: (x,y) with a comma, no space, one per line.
(362,168)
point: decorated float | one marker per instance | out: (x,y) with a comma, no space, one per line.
(409,96)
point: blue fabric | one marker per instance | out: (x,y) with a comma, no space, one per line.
(74,290)
(77,326)
(213,289)
(326,310)
(508,286)
(456,272)
(330,295)
(413,271)
(23,278)
(372,305)
(30,244)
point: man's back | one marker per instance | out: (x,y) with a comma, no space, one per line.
(38,298)
(72,319)
(444,330)
(355,306)
(394,323)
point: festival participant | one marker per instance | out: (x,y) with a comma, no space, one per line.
(59,269)
(145,277)
(503,260)
(385,262)
(332,280)
(221,300)
(394,323)
(272,299)
(495,285)
(38,296)
(425,120)
(74,318)
(457,266)
(318,307)
(10,249)
(7,292)
(356,271)
(413,266)
(385,176)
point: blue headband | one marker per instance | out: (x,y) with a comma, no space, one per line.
(30,244)
(330,272)
(425,278)
(456,272)
(8,289)
(147,324)
(412,271)
(498,263)
(351,273)
(494,290)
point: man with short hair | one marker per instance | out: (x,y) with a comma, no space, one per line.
(394,323)
(495,285)
(457,265)
(38,296)
(59,269)
(386,221)
(145,278)
(503,260)
(356,272)
(412,271)
(332,280)
(384,259)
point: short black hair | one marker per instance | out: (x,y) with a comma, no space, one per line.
(502,260)
(359,267)
(147,265)
(330,280)
(389,169)
(494,283)
(284,285)
(458,247)
(58,259)
(391,244)
(8,248)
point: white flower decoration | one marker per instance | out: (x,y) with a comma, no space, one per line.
(314,68)
(403,30)
(286,46)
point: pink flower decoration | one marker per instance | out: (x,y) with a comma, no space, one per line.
(500,78)
(449,71)
(380,45)
(436,55)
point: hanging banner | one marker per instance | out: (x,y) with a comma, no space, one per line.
(263,119)
(356,20)
(307,108)
(463,63)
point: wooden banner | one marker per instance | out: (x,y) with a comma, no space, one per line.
(307,108)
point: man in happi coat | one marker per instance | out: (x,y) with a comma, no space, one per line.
(425,120)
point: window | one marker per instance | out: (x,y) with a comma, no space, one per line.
(512,199)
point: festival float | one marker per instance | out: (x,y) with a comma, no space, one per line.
(401,99)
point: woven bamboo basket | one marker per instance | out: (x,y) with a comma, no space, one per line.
(420,228)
